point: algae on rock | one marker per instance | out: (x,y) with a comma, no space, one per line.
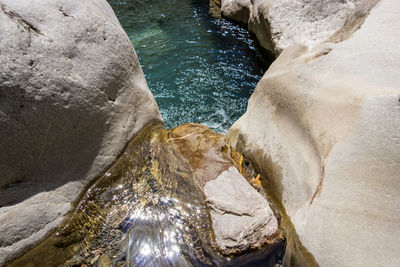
(149,208)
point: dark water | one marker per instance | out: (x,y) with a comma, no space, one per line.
(200,69)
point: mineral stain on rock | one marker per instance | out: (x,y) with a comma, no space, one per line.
(179,197)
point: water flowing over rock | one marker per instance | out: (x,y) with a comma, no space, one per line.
(324,125)
(149,208)
(281,23)
(72,94)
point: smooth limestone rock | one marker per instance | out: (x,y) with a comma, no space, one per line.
(324,124)
(72,94)
(241,217)
(279,24)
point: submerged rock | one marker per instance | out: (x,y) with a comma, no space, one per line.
(151,205)
(72,94)
(104,261)
(241,217)
(324,125)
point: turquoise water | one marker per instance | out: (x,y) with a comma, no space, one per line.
(199,68)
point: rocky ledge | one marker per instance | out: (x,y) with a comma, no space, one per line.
(279,24)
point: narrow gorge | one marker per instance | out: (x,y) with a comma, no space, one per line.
(239,133)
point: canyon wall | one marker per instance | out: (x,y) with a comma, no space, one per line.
(323,125)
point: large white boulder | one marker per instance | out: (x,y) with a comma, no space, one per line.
(324,124)
(281,23)
(242,219)
(72,94)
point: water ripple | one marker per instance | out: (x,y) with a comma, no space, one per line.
(199,68)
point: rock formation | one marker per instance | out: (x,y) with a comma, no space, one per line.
(149,208)
(324,123)
(72,94)
(235,203)
(278,24)
(230,198)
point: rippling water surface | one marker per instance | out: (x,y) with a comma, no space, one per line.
(200,69)
(149,209)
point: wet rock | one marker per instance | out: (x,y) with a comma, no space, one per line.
(72,94)
(219,171)
(104,261)
(241,218)
(208,153)
(151,204)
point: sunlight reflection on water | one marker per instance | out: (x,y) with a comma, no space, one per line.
(199,68)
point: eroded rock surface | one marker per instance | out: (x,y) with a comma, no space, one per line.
(72,94)
(241,217)
(324,124)
(279,24)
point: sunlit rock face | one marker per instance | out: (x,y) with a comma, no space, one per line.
(324,124)
(281,23)
(72,95)
(150,209)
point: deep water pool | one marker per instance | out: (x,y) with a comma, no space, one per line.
(200,69)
